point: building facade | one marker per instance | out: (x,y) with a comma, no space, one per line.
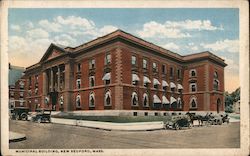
(124,73)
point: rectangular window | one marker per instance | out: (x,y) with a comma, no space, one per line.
(178,73)
(133,60)
(171,71)
(193,87)
(156,114)
(145,113)
(145,64)
(79,67)
(78,83)
(107,59)
(155,67)
(92,81)
(163,69)
(92,64)
(135,113)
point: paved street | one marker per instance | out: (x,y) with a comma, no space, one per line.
(55,136)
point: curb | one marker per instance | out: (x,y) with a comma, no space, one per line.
(15,137)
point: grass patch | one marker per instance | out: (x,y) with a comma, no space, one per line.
(115,119)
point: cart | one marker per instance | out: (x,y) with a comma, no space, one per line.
(19,113)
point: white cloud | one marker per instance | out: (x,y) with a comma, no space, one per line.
(15,27)
(193,25)
(17,44)
(225,45)
(107,29)
(30,25)
(154,29)
(194,48)
(50,26)
(75,22)
(38,33)
(65,40)
(171,46)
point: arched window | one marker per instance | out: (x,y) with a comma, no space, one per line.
(134,100)
(92,81)
(78,101)
(192,73)
(193,87)
(78,83)
(145,100)
(193,102)
(92,99)
(216,84)
(216,75)
(107,100)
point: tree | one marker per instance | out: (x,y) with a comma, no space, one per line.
(230,99)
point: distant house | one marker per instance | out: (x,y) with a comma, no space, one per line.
(16,86)
(236,107)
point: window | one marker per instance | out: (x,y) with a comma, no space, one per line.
(133,60)
(92,64)
(192,73)
(21,103)
(145,113)
(179,102)
(78,83)
(21,94)
(164,114)
(135,113)
(193,87)
(216,75)
(156,83)
(79,67)
(156,114)
(106,78)
(12,94)
(92,81)
(145,64)
(155,67)
(171,71)
(36,78)
(146,81)
(78,101)
(36,91)
(21,83)
(107,59)
(163,69)
(61,100)
(145,100)
(92,99)
(135,79)
(107,100)
(29,92)
(178,73)
(193,102)
(134,99)
(29,81)
(216,84)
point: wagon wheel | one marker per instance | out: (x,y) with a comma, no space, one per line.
(177,127)
(24,116)
(39,120)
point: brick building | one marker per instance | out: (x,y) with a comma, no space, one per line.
(122,73)
(17,92)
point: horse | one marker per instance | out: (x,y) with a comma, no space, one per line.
(194,117)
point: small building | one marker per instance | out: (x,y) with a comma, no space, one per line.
(122,73)
(17,92)
(236,107)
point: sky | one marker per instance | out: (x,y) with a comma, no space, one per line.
(184,31)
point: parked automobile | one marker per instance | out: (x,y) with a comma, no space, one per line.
(42,115)
(178,122)
(19,113)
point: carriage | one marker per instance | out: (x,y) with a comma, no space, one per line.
(19,113)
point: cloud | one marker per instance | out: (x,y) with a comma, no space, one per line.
(107,29)
(75,22)
(171,46)
(154,29)
(29,25)
(50,26)
(15,27)
(38,33)
(65,40)
(225,45)
(193,25)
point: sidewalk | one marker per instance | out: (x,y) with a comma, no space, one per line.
(13,136)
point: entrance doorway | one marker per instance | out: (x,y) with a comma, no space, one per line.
(54,96)
(218,105)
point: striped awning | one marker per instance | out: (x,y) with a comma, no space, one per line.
(156,99)
(106,76)
(164,83)
(172,100)
(172,85)
(165,100)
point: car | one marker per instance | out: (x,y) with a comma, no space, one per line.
(19,113)
(42,115)
(178,122)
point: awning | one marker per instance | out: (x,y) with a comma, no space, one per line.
(164,83)
(146,79)
(156,99)
(179,99)
(165,100)
(172,85)
(106,76)
(135,77)
(172,100)
(179,86)
(156,82)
